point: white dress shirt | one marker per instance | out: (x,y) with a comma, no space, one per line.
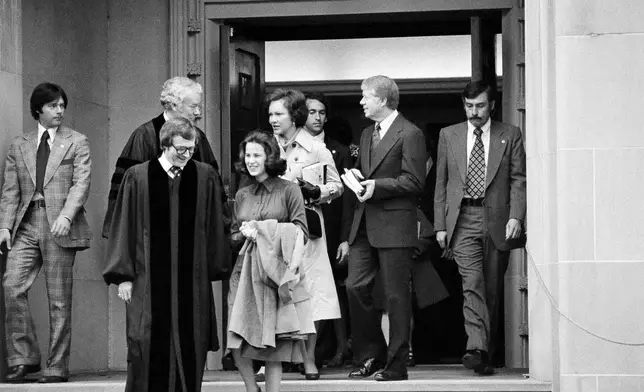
(52,135)
(386,123)
(471,139)
(166,165)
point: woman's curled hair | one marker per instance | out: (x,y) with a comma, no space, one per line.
(275,165)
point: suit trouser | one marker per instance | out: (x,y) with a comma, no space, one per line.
(33,248)
(482,268)
(364,263)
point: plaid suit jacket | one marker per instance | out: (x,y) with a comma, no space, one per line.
(66,183)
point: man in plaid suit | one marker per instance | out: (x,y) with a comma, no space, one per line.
(42,224)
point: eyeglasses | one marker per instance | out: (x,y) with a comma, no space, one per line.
(184,150)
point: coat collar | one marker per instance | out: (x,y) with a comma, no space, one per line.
(458,141)
(391,137)
(58,150)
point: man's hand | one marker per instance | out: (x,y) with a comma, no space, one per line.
(441,238)
(60,227)
(369,187)
(5,238)
(125,291)
(342,253)
(512,229)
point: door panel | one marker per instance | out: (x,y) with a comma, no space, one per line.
(246,83)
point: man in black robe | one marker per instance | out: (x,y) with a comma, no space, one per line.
(180,97)
(167,241)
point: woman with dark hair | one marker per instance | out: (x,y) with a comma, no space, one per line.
(309,164)
(270,310)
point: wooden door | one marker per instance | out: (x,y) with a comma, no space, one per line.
(235,85)
(246,110)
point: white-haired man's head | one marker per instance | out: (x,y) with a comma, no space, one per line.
(182,97)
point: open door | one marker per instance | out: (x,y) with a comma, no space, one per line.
(235,93)
(245,79)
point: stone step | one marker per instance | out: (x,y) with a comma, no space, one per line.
(443,378)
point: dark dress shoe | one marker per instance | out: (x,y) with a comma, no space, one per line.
(479,361)
(51,379)
(19,373)
(369,367)
(390,375)
(312,376)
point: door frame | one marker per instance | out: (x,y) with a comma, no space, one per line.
(198,40)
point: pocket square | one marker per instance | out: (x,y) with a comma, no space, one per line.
(67,161)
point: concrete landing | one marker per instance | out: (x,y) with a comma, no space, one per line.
(439,378)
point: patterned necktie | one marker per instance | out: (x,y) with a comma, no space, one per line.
(42,155)
(375,137)
(176,170)
(476,168)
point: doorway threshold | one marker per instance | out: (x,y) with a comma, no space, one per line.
(443,378)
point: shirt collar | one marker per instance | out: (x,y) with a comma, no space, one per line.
(165,163)
(386,123)
(485,128)
(319,137)
(52,132)
(165,116)
(268,183)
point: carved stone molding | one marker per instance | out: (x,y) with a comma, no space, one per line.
(194,25)
(195,69)
(186,44)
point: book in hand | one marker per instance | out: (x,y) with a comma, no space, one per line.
(351,179)
(315,173)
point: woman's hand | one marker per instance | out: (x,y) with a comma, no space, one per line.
(125,291)
(248,231)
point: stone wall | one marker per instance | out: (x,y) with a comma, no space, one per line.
(585,160)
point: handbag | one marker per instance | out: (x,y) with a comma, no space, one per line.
(313,222)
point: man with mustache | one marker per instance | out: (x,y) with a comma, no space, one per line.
(180,97)
(42,223)
(479,209)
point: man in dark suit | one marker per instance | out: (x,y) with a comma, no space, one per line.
(479,208)
(384,230)
(42,223)
(180,97)
(336,233)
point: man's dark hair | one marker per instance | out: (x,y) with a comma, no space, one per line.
(275,165)
(42,95)
(476,88)
(294,102)
(319,97)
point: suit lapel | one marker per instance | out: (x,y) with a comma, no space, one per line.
(365,151)
(28,150)
(459,150)
(497,149)
(386,143)
(59,148)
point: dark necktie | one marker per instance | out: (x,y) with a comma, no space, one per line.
(41,162)
(375,137)
(476,168)
(176,170)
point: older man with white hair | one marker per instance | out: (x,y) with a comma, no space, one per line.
(180,97)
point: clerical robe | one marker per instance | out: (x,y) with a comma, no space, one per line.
(171,241)
(143,145)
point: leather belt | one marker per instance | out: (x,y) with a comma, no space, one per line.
(37,203)
(473,202)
